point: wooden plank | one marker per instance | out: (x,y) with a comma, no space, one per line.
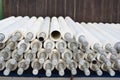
(118,11)
(6,9)
(23,8)
(114,12)
(51,8)
(70,8)
(31,7)
(106,10)
(87,11)
(60,8)
(79,10)
(13,7)
(97,11)
(41,8)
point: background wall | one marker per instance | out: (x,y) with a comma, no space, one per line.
(79,10)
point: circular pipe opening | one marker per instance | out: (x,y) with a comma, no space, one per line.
(55,34)
(94,62)
(2,37)
(41,39)
(2,45)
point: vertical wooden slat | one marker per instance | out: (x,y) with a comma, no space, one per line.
(87,11)
(13,7)
(51,8)
(118,13)
(70,8)
(41,8)
(79,10)
(23,8)
(6,8)
(60,8)
(115,11)
(106,10)
(97,11)
(31,7)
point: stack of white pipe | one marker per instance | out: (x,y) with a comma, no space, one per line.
(58,43)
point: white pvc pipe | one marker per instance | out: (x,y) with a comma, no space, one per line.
(102,55)
(11,65)
(108,69)
(79,36)
(48,68)
(67,56)
(42,56)
(35,45)
(73,45)
(43,33)
(5,34)
(54,56)
(28,56)
(96,67)
(55,32)
(84,66)
(65,30)
(25,28)
(2,66)
(49,45)
(72,67)
(34,31)
(24,49)
(108,39)
(61,46)
(22,65)
(7,19)
(61,66)
(90,38)
(16,56)
(36,66)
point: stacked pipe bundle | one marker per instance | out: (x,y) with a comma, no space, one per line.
(58,43)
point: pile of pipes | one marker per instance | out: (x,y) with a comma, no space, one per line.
(58,43)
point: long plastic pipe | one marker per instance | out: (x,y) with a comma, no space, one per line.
(22,31)
(55,32)
(107,39)
(32,33)
(43,33)
(35,46)
(6,19)
(5,34)
(97,45)
(16,56)
(113,33)
(11,65)
(22,65)
(3,31)
(61,46)
(48,67)
(49,45)
(54,56)
(72,67)
(61,66)
(79,36)
(65,30)
(42,56)
(7,22)
(36,66)
(22,47)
